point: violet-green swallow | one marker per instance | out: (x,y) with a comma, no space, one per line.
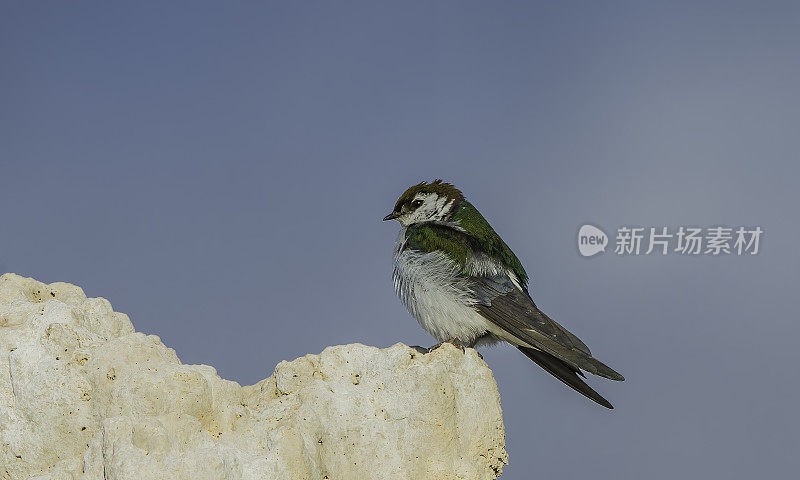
(463,284)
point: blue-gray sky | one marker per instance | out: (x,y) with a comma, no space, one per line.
(218,171)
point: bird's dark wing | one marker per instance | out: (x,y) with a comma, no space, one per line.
(513,311)
(565,373)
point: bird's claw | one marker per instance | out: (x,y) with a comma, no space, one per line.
(452,342)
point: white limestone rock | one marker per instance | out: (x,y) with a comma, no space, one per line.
(83,396)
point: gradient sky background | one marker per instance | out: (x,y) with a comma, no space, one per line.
(218,171)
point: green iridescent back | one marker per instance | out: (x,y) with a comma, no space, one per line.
(478,236)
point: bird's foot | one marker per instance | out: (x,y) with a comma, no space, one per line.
(452,342)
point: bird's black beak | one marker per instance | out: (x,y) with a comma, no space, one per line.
(391,216)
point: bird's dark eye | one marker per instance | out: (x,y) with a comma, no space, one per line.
(416,203)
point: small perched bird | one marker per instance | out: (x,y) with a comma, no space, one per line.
(463,284)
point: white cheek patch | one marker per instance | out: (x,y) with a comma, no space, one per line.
(433,208)
(443,205)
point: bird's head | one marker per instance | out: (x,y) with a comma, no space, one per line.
(426,202)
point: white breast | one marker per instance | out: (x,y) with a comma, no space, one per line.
(430,287)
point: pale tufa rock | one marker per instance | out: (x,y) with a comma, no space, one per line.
(83,396)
